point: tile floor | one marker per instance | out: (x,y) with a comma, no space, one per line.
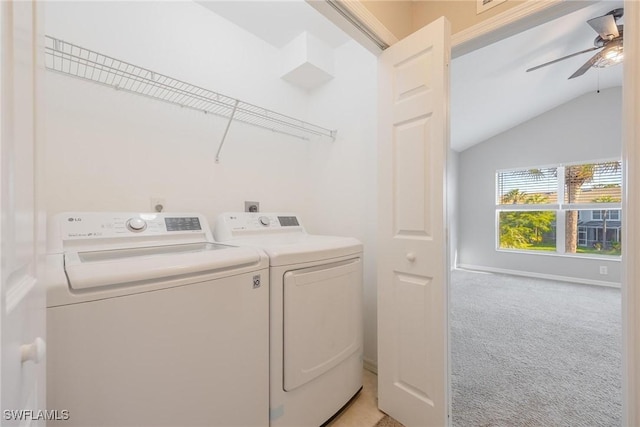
(363,410)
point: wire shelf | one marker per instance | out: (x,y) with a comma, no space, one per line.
(73,60)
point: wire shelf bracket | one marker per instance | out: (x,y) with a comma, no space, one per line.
(226,130)
(76,61)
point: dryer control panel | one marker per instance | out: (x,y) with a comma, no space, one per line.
(235,224)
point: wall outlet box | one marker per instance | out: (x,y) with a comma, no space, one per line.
(252,206)
(157,204)
(603,269)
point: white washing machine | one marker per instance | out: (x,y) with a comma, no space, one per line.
(150,323)
(316,314)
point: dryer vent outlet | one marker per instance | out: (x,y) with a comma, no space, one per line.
(252,206)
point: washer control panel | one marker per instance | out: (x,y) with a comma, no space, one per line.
(108,225)
(136,224)
(265,220)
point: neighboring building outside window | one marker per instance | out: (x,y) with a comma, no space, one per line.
(597,215)
(564,209)
(599,234)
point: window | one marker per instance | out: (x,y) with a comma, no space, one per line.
(598,215)
(599,232)
(528,186)
(564,209)
(531,230)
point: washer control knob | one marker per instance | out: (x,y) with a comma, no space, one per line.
(136,224)
(264,220)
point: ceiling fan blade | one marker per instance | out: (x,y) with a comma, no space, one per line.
(605,26)
(563,58)
(580,71)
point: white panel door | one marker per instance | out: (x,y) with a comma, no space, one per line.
(22,315)
(412,255)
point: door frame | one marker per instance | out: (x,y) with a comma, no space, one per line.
(631,208)
(523,17)
(515,20)
(526,16)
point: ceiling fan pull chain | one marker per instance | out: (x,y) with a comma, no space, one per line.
(598,81)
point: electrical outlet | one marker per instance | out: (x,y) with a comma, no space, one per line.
(252,206)
(157,204)
(603,269)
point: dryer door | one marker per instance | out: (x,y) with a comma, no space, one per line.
(322,319)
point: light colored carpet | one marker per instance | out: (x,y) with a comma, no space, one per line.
(530,352)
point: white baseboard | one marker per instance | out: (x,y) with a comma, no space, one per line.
(539,275)
(370,365)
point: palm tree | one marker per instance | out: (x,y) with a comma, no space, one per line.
(604,213)
(537,199)
(514,197)
(574,178)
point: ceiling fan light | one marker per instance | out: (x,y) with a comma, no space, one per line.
(614,55)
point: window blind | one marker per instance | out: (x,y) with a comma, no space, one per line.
(527,186)
(593,183)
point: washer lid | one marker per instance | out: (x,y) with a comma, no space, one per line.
(286,249)
(93,269)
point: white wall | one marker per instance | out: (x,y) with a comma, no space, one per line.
(109,150)
(344,187)
(584,129)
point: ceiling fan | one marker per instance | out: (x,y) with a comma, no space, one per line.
(609,40)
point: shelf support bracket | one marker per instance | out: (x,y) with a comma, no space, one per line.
(226,130)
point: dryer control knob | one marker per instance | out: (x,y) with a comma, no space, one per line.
(264,220)
(136,224)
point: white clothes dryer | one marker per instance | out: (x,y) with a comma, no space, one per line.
(316,314)
(151,323)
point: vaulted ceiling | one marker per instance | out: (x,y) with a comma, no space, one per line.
(491,91)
